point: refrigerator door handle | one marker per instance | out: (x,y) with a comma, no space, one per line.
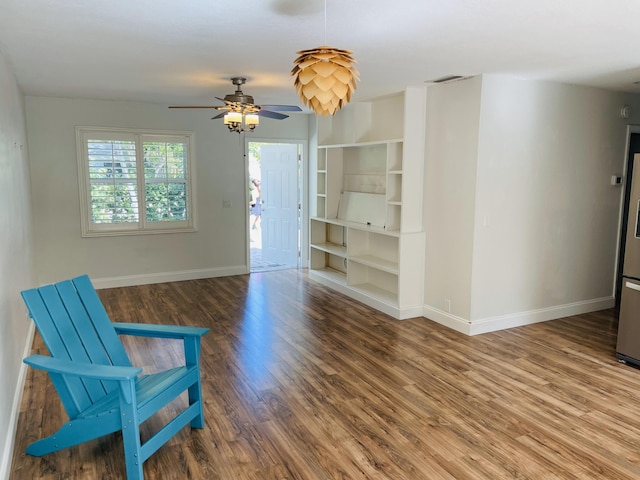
(637,234)
(632,286)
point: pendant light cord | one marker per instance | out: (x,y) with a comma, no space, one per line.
(325,22)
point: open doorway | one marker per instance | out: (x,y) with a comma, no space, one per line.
(274,209)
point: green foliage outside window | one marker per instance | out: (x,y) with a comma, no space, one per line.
(112,174)
(165,181)
(114,203)
(114,184)
(166,202)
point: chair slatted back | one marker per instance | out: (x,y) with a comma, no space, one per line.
(75,326)
(101,321)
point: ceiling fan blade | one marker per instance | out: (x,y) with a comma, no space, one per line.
(282,108)
(243,104)
(275,115)
(192,106)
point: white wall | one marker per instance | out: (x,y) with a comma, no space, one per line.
(219,247)
(544,226)
(451,147)
(15,257)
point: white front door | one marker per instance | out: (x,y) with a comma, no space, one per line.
(280,204)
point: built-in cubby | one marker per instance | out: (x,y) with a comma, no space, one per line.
(328,252)
(361,183)
(364,240)
(374,282)
(362,122)
(374,249)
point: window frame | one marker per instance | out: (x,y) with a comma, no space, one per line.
(142,226)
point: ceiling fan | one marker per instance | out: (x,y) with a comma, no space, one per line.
(239,109)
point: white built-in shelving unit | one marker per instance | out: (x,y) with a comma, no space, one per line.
(366,237)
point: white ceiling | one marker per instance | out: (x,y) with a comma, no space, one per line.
(185,51)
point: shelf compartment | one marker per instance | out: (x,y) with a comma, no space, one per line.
(332,275)
(332,248)
(327,237)
(382,117)
(323,258)
(374,249)
(322,183)
(377,293)
(337,129)
(376,262)
(394,188)
(323,261)
(322,160)
(373,281)
(362,122)
(364,183)
(394,215)
(394,156)
(321,210)
(365,159)
(333,180)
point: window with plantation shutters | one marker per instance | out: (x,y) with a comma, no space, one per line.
(134,181)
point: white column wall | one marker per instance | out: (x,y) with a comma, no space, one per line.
(522,222)
(453,113)
(15,257)
(546,214)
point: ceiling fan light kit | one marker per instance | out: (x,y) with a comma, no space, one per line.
(234,121)
(324,78)
(252,120)
(240,113)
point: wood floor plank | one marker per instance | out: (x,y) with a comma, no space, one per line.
(301,382)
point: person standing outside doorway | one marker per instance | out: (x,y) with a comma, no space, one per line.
(256,203)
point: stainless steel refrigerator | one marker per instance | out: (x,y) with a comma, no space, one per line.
(628,346)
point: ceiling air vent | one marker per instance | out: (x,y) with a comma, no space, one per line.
(446,79)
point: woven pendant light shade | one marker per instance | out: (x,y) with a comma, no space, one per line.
(325,78)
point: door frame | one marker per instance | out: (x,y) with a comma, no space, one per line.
(303,188)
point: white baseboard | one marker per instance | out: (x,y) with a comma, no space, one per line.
(7,454)
(454,322)
(492,324)
(149,278)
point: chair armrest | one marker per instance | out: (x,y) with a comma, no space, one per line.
(191,336)
(158,331)
(79,369)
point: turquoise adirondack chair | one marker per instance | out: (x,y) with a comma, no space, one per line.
(100,390)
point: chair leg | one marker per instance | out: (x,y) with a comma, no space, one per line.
(131,438)
(65,437)
(195,395)
(74,432)
(192,357)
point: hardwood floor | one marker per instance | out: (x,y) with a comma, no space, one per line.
(303,383)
